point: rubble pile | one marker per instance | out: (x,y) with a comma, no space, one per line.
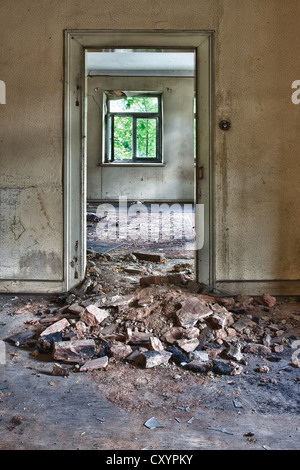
(165,319)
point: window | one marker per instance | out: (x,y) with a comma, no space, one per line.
(133,127)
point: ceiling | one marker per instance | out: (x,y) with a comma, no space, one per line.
(126,62)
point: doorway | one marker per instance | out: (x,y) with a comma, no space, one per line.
(79,44)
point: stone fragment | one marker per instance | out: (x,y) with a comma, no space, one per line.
(268,300)
(221,368)
(177,279)
(243,323)
(60,370)
(155,344)
(177,355)
(135,337)
(76,309)
(234,352)
(199,367)
(200,356)
(135,353)
(74,351)
(192,310)
(153,423)
(95,364)
(263,369)
(257,349)
(153,257)
(120,351)
(55,327)
(45,343)
(93,316)
(149,359)
(173,334)
(188,345)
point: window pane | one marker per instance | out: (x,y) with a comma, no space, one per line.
(145,138)
(136,104)
(122,137)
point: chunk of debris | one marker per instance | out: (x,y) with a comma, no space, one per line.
(257,349)
(55,327)
(120,351)
(188,345)
(135,337)
(192,310)
(155,344)
(149,359)
(60,370)
(153,257)
(177,279)
(74,351)
(24,339)
(93,316)
(95,364)
(153,423)
(268,300)
(234,352)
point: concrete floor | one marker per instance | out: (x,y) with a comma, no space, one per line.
(107,409)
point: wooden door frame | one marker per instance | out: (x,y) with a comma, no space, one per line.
(77,42)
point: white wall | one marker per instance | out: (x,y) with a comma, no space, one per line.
(174,180)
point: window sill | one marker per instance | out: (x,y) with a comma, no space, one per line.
(132,164)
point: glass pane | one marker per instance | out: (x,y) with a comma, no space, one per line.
(135,104)
(145,138)
(122,138)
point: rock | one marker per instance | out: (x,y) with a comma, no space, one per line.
(155,344)
(59,370)
(153,423)
(197,367)
(177,279)
(178,356)
(45,343)
(55,327)
(74,351)
(173,334)
(120,351)
(93,316)
(263,369)
(234,352)
(188,345)
(221,368)
(199,356)
(137,337)
(257,349)
(149,359)
(95,364)
(243,323)
(153,257)
(268,300)
(192,310)
(75,309)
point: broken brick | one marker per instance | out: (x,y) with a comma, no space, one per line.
(74,351)
(56,327)
(192,311)
(93,316)
(95,364)
(149,359)
(268,300)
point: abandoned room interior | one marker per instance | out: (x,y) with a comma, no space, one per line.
(149,228)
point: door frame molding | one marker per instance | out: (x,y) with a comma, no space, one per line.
(77,42)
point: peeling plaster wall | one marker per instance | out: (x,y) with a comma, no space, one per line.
(256,163)
(174,181)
